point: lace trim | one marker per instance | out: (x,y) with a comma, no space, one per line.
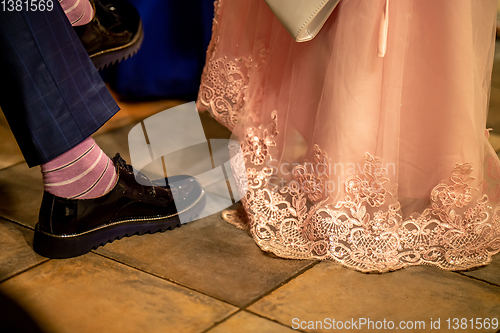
(363,230)
(224,82)
(223,89)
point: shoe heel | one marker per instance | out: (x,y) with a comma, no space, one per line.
(57,247)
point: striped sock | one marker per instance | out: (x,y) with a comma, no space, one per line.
(83,172)
(78,12)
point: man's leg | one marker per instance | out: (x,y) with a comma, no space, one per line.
(51,93)
(54,99)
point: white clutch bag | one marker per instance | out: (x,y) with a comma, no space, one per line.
(303,19)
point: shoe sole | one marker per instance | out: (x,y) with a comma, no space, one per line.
(114,55)
(68,246)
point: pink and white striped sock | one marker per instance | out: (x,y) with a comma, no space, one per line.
(78,12)
(83,172)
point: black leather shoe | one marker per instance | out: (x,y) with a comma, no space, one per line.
(114,34)
(68,227)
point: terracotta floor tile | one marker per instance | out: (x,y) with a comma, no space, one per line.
(495,77)
(115,141)
(412,294)
(490,273)
(21,190)
(131,112)
(16,249)
(245,322)
(493,120)
(494,106)
(94,294)
(212,128)
(208,255)
(494,140)
(10,153)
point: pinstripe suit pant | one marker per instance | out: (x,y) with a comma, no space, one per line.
(50,92)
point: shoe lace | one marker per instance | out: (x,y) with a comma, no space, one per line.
(121,163)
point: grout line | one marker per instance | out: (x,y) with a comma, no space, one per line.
(30,267)
(244,307)
(221,321)
(163,278)
(239,308)
(13,165)
(25,270)
(478,279)
(253,313)
(273,320)
(114,129)
(300,272)
(287,280)
(16,222)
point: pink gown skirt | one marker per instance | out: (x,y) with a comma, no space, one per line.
(367,145)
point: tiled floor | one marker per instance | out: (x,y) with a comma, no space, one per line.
(209,276)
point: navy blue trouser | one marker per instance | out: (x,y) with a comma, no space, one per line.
(50,92)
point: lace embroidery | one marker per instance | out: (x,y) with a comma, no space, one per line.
(223,88)
(224,82)
(258,148)
(365,230)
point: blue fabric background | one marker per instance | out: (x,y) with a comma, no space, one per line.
(171,59)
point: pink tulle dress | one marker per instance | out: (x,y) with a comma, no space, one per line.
(367,145)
